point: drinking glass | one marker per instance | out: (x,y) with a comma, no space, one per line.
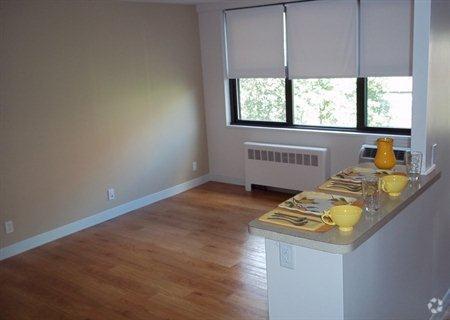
(413,160)
(371,193)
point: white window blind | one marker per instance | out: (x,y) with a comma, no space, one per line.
(322,39)
(255,42)
(386,38)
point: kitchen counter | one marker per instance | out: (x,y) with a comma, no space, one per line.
(380,270)
(336,241)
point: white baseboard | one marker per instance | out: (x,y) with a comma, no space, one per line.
(100,217)
(225,179)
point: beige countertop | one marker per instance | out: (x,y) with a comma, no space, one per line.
(335,241)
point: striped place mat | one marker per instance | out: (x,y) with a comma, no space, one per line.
(342,186)
(314,223)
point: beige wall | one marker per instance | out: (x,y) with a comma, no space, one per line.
(95,94)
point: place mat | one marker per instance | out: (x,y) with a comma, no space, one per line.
(357,174)
(342,186)
(314,224)
(315,203)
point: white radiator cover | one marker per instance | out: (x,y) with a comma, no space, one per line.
(285,166)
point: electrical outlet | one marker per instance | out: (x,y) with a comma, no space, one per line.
(9,226)
(286,256)
(111,194)
(194,166)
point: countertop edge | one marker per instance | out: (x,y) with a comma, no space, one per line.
(301,242)
(256,227)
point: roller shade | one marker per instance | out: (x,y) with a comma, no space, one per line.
(255,42)
(322,39)
(386,38)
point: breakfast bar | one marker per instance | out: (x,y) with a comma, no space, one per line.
(344,275)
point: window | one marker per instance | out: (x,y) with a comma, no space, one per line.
(325,102)
(333,65)
(373,104)
(262,99)
(389,102)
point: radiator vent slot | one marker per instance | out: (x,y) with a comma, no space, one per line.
(277,157)
(399,155)
(283,157)
(368,152)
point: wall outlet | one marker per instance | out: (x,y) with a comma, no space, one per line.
(111,194)
(9,226)
(194,166)
(286,256)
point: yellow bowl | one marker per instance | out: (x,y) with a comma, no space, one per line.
(345,216)
(394,184)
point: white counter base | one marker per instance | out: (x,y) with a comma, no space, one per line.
(389,276)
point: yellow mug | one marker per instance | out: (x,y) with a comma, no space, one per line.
(344,216)
(393,184)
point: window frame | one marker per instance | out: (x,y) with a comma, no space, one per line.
(361,112)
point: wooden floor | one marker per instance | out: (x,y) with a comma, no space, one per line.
(187,257)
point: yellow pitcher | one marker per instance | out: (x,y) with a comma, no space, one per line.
(385,157)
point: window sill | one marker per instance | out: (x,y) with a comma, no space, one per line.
(318,130)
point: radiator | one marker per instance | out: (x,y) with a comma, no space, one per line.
(285,166)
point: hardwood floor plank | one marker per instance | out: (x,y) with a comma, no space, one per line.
(186,257)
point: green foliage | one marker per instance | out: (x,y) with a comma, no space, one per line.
(263,99)
(323,102)
(378,107)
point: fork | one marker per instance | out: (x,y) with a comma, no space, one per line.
(279,214)
(347,183)
(347,187)
(294,222)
